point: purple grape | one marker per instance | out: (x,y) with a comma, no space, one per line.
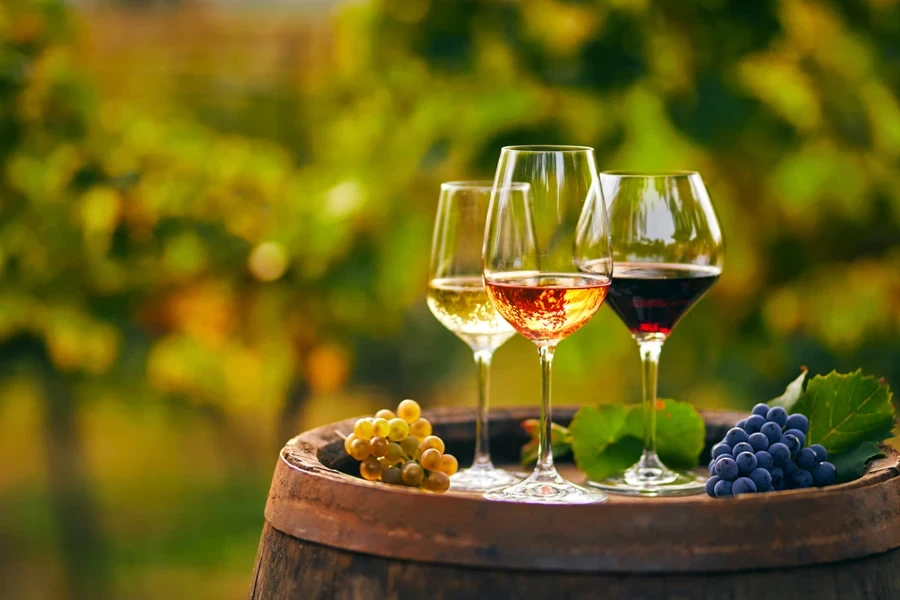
(824,474)
(763,460)
(762,478)
(799,422)
(777,477)
(711,486)
(759,441)
(735,436)
(821,452)
(789,468)
(741,448)
(781,454)
(712,467)
(772,431)
(722,488)
(746,462)
(761,409)
(777,415)
(806,459)
(797,434)
(792,443)
(721,449)
(741,423)
(801,479)
(726,468)
(753,423)
(743,485)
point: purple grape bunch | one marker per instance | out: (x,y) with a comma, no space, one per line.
(766,452)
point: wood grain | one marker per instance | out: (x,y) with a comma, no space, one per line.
(311,499)
(288,568)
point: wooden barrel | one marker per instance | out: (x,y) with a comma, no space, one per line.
(330,534)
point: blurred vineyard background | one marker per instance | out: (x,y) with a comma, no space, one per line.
(215,221)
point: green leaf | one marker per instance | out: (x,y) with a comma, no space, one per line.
(851,465)
(792,393)
(846,410)
(680,434)
(593,430)
(615,458)
(560,441)
(607,439)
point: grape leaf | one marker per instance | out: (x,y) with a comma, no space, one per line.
(792,393)
(593,430)
(614,458)
(606,439)
(680,434)
(846,410)
(851,464)
(560,441)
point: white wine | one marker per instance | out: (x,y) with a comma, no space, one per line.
(462,306)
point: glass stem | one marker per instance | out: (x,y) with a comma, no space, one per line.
(482,438)
(545,448)
(650,351)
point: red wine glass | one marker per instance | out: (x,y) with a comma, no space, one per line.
(547,267)
(668,252)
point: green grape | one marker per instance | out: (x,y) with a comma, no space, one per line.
(399,429)
(359,449)
(394,453)
(421,428)
(391,475)
(385,414)
(370,469)
(378,446)
(349,440)
(432,441)
(409,410)
(412,473)
(431,459)
(363,428)
(380,428)
(409,445)
(437,482)
(449,464)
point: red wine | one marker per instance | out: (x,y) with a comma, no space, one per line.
(652,297)
(547,306)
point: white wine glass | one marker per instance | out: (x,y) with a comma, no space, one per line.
(457,298)
(547,269)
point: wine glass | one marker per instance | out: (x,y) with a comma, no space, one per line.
(668,253)
(547,269)
(457,299)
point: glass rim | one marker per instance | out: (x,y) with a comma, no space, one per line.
(481,185)
(546,148)
(651,174)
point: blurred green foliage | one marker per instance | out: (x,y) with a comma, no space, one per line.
(215,226)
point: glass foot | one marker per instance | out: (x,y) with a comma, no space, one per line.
(482,478)
(546,487)
(653,479)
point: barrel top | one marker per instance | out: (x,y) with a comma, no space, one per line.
(312,499)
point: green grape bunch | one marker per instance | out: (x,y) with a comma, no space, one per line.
(399,448)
